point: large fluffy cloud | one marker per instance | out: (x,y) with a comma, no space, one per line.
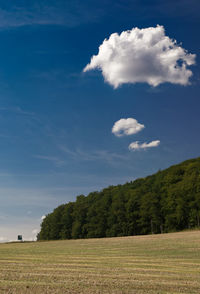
(142,55)
(126,126)
(137,146)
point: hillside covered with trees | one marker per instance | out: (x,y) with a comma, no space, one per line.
(164,202)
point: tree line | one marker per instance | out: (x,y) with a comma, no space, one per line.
(164,202)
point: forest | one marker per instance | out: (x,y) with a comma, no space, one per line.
(167,201)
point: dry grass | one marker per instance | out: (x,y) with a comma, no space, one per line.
(168,263)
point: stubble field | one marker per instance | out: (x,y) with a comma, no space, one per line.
(168,263)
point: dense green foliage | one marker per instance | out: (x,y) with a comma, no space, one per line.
(164,202)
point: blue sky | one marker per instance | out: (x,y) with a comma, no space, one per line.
(56,121)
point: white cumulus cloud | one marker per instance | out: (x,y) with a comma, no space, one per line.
(35,231)
(126,126)
(43,217)
(137,146)
(142,55)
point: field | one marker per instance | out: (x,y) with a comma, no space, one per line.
(168,263)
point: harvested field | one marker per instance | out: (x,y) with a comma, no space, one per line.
(168,263)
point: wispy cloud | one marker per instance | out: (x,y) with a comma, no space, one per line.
(56,75)
(137,146)
(15,201)
(60,12)
(59,79)
(58,162)
(17,110)
(93,155)
(18,116)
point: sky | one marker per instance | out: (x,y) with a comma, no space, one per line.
(92,94)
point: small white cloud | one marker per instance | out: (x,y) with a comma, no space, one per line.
(35,231)
(33,235)
(126,126)
(58,162)
(137,146)
(142,55)
(43,217)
